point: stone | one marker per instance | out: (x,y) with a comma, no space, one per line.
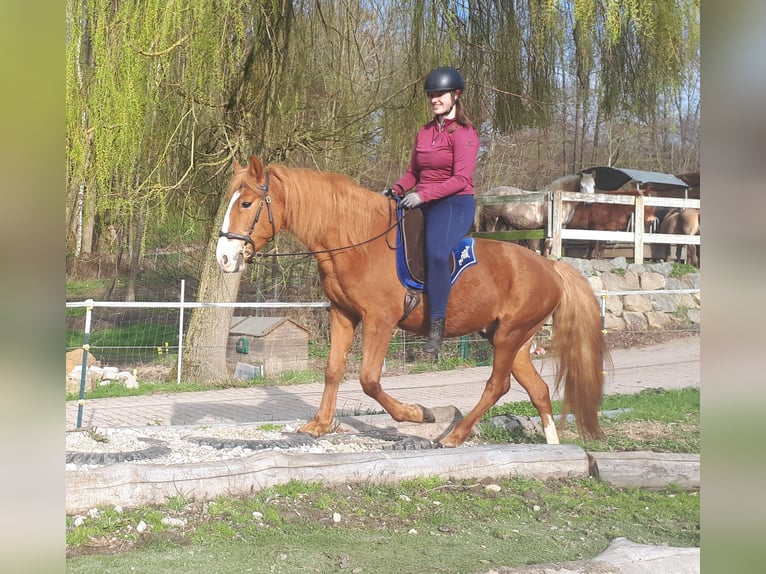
(614,304)
(74,359)
(658,320)
(601,265)
(651,281)
(614,323)
(620,262)
(584,266)
(74,379)
(127,379)
(636,303)
(694,316)
(612,281)
(664,303)
(635,321)
(665,268)
(110,373)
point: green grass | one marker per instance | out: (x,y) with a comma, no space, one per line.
(681,269)
(426,525)
(675,413)
(88,289)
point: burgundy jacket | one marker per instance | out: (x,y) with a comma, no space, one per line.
(442,162)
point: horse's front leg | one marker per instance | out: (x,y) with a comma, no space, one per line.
(341,335)
(375,346)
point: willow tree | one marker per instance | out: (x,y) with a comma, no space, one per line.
(150,86)
(144,79)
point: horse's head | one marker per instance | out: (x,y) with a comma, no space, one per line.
(587,183)
(249,222)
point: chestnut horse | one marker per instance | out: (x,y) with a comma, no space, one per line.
(507,296)
(610,217)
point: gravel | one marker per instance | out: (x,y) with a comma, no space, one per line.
(92,448)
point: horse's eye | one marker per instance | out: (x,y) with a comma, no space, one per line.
(247,204)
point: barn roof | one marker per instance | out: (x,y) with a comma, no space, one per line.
(611,178)
(258,326)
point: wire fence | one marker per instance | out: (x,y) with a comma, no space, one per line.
(131,335)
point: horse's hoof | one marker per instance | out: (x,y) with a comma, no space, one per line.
(315,430)
(428,416)
(441,444)
(450,441)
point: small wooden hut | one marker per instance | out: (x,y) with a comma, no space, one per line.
(276,343)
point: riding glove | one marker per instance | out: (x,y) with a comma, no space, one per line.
(411,201)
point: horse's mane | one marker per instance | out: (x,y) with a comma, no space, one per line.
(327,195)
(565,183)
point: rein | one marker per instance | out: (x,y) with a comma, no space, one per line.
(265,199)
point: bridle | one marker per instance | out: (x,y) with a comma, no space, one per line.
(265,199)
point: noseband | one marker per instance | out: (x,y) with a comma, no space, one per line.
(265,199)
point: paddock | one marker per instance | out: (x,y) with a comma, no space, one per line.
(669,192)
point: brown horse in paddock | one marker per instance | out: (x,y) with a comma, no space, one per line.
(679,222)
(507,296)
(610,217)
(530,214)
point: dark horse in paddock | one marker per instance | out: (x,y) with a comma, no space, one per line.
(507,296)
(610,217)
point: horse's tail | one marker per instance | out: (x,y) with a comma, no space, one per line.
(582,351)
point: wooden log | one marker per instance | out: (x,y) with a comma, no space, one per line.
(646,469)
(132,485)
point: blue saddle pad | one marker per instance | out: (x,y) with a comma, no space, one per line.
(463,256)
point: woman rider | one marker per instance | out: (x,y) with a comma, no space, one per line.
(441,175)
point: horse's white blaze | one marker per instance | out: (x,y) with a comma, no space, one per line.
(549,428)
(227,251)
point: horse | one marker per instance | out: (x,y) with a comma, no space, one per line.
(679,222)
(530,214)
(610,217)
(507,297)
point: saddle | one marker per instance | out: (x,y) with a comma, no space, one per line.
(410,257)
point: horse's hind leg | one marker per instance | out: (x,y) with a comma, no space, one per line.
(506,347)
(526,374)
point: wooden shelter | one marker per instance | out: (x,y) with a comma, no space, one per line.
(662,184)
(276,343)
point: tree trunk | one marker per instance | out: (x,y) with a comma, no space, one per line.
(204,354)
(135,234)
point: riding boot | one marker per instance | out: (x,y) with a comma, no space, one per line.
(434,343)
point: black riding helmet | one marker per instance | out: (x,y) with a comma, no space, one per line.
(444,79)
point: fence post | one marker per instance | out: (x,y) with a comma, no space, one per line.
(464,347)
(180,331)
(84,371)
(638,230)
(556,224)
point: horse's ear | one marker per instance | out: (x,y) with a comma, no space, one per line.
(237,167)
(255,169)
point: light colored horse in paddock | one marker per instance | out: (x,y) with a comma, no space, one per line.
(533,214)
(680,222)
